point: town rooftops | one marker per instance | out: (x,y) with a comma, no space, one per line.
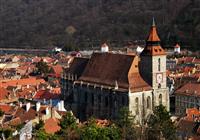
(26,81)
(189,89)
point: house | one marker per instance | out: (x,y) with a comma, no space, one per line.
(187,96)
(188,127)
(177,48)
(47,97)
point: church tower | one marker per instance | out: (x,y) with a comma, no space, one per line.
(153,61)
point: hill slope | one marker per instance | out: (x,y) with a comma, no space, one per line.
(43,23)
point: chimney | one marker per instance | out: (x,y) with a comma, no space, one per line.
(20,104)
(104,48)
(37,106)
(58,105)
(62,106)
(28,106)
(47,110)
(116,85)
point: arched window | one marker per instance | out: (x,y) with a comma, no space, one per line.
(85,97)
(123,100)
(92,98)
(137,105)
(158,64)
(106,101)
(148,102)
(160,99)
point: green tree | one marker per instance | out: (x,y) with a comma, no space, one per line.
(42,135)
(160,125)
(1,113)
(93,132)
(42,68)
(40,125)
(125,122)
(68,120)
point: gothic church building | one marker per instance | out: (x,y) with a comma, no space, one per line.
(99,86)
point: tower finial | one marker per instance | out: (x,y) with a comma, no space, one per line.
(153,23)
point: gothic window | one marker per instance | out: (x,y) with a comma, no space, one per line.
(92,98)
(160,99)
(106,101)
(85,97)
(148,102)
(99,99)
(123,100)
(137,105)
(159,85)
(158,64)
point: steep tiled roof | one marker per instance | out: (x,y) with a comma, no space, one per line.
(191,89)
(51,125)
(153,35)
(153,43)
(77,66)
(109,68)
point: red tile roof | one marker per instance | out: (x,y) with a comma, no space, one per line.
(6,108)
(51,126)
(190,89)
(4,94)
(193,114)
(26,81)
(153,35)
(46,94)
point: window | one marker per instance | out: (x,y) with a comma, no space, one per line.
(148,102)
(99,99)
(123,101)
(158,64)
(159,85)
(160,99)
(85,97)
(106,101)
(92,98)
(137,105)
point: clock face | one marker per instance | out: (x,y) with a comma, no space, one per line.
(159,77)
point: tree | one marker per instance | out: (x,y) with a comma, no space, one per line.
(1,113)
(160,125)
(92,131)
(42,67)
(68,120)
(125,122)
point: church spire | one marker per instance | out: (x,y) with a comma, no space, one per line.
(153,35)
(153,46)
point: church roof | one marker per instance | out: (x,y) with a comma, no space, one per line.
(107,68)
(77,66)
(153,35)
(153,46)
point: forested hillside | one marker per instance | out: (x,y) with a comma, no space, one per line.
(83,23)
